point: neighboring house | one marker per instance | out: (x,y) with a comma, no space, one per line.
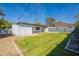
(27,28)
(62,24)
(62,27)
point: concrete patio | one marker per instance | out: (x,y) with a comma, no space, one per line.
(8,47)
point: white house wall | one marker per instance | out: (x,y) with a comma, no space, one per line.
(15,29)
(46,29)
(21,30)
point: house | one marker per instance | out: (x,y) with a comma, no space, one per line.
(62,24)
(27,28)
(22,28)
(61,27)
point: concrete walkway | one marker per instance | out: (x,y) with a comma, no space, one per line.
(8,47)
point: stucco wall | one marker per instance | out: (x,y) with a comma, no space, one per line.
(21,30)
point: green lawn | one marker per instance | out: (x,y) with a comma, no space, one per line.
(44,44)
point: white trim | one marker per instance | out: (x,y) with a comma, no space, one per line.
(68,48)
(72,50)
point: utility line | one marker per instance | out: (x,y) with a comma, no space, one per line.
(25,9)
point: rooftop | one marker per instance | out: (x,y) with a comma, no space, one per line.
(25,23)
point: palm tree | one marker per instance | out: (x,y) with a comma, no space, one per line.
(4,24)
(1,13)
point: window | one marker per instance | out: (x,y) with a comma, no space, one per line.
(37,28)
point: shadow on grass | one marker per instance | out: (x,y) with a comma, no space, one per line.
(60,49)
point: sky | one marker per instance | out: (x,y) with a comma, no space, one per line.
(29,12)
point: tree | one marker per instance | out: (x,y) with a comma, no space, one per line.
(4,24)
(50,22)
(37,22)
(1,13)
(77,22)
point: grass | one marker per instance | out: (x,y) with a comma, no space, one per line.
(44,44)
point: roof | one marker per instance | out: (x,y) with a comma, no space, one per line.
(62,24)
(25,23)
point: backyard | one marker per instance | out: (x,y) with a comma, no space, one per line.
(51,44)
